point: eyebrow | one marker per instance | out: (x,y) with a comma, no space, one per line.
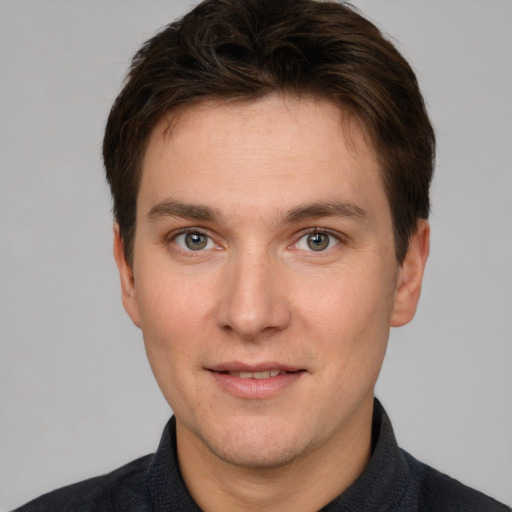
(325,209)
(175,208)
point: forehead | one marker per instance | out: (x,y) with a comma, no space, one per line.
(267,113)
(273,150)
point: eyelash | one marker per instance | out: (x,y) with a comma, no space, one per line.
(171,239)
(333,241)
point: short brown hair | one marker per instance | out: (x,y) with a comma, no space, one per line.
(246,49)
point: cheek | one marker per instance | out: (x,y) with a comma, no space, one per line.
(172,326)
(349,315)
(173,320)
(170,301)
(345,300)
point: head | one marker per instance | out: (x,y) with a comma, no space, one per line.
(243,51)
(270,164)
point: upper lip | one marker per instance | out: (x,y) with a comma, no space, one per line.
(236,366)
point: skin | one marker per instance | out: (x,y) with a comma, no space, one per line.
(254,182)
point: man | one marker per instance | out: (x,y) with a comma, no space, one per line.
(270,166)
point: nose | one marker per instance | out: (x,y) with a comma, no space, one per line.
(253,299)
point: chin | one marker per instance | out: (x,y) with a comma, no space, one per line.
(258,455)
(257,444)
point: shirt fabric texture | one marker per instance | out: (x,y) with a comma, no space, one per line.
(393,481)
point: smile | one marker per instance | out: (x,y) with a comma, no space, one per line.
(259,381)
(257,375)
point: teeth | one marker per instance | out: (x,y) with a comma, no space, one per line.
(256,375)
(261,375)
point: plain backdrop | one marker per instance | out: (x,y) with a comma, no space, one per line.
(77,395)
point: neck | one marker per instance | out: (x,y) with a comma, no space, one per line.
(308,482)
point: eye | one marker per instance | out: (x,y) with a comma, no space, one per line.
(194,241)
(317,241)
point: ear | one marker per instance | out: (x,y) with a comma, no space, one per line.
(127,280)
(410,276)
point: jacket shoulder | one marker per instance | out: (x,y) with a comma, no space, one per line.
(434,491)
(123,488)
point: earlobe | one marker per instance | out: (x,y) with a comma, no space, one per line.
(410,276)
(127,280)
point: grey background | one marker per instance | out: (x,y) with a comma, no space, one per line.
(77,395)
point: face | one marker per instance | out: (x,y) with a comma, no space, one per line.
(264,277)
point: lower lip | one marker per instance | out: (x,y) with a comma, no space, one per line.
(255,388)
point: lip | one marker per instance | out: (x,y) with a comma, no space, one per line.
(254,388)
(237,366)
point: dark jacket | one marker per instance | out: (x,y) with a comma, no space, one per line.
(392,481)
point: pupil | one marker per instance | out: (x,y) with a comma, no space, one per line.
(195,241)
(318,241)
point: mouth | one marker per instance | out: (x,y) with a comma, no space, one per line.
(255,381)
(264,370)
(260,375)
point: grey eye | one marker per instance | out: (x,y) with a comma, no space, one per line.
(194,241)
(318,241)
